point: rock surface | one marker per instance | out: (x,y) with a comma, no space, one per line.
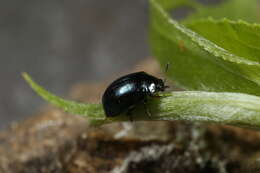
(54,142)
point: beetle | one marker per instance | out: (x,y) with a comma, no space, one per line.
(125,93)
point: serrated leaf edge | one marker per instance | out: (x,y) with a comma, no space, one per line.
(204,43)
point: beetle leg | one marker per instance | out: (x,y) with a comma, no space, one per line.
(156,96)
(147,111)
(153,95)
(129,113)
(131,118)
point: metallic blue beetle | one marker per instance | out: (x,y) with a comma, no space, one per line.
(125,93)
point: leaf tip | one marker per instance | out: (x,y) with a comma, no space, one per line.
(26,76)
(28,79)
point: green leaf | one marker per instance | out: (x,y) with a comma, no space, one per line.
(231,9)
(240,40)
(222,108)
(205,57)
(93,111)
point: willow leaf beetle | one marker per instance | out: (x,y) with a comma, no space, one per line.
(125,93)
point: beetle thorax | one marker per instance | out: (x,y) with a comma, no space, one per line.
(152,88)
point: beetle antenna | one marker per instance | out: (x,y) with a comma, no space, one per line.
(166,69)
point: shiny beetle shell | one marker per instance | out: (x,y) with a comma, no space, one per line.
(125,93)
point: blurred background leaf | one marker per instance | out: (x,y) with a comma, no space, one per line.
(231,9)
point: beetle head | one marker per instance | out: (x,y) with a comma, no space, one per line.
(156,86)
(160,85)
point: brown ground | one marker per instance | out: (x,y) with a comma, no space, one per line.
(55,142)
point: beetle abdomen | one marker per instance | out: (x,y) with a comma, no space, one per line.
(119,98)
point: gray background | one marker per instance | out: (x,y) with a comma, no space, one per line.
(61,43)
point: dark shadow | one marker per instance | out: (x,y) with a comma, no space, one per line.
(210,2)
(182,12)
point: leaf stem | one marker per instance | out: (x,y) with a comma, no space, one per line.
(196,106)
